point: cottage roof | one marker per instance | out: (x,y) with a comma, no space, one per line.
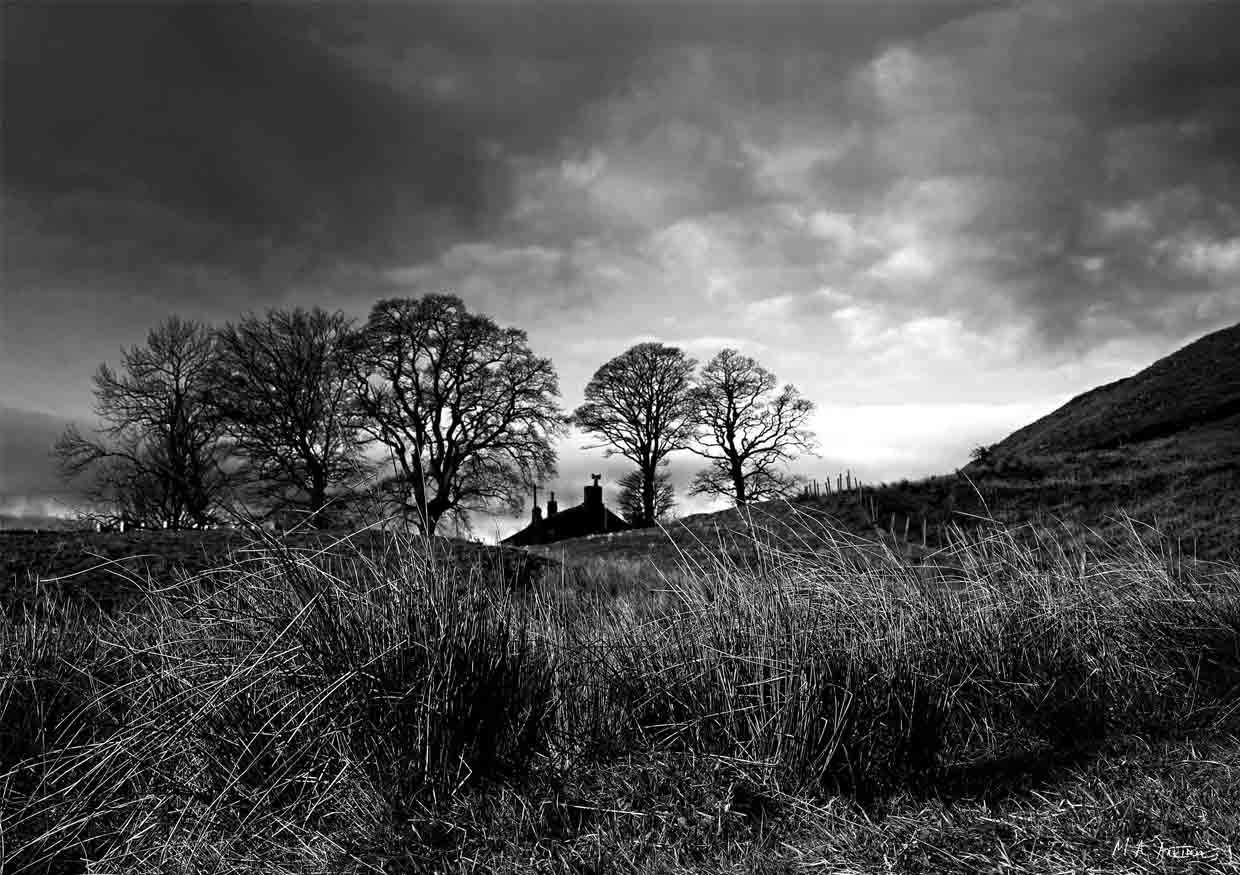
(573,522)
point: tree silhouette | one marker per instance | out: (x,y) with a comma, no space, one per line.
(285,389)
(465,408)
(748,430)
(157,457)
(630,498)
(640,405)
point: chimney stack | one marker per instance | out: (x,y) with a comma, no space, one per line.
(552,507)
(594,494)
(594,503)
(536,514)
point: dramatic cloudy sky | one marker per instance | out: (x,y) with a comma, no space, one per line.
(939,219)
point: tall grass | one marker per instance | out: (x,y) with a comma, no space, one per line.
(285,713)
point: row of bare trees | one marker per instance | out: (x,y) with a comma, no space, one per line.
(649,402)
(292,410)
(277,412)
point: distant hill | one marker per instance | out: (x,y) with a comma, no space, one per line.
(1193,387)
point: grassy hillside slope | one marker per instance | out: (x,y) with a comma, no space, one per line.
(1198,385)
(1158,449)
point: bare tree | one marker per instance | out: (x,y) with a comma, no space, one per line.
(640,405)
(630,499)
(156,460)
(465,408)
(750,430)
(285,390)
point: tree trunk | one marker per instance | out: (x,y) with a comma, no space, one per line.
(738,484)
(415,482)
(435,509)
(648,478)
(318,497)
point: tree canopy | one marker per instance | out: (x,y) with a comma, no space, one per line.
(466,410)
(156,459)
(748,430)
(640,405)
(285,390)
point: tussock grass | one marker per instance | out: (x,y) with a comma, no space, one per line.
(410,712)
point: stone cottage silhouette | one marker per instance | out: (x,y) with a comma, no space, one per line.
(590,517)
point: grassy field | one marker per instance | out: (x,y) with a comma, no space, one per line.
(805,704)
(108,570)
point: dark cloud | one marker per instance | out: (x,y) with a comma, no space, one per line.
(342,131)
(221,116)
(1160,60)
(27,466)
(1024,124)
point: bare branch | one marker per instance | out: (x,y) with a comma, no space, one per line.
(747,432)
(285,390)
(465,407)
(630,499)
(157,459)
(641,405)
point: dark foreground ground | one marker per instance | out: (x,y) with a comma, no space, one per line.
(740,697)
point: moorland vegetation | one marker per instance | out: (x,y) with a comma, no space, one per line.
(830,706)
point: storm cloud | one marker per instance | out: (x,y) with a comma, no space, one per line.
(975,203)
(222,135)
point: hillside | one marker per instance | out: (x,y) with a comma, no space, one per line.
(1196,386)
(1160,448)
